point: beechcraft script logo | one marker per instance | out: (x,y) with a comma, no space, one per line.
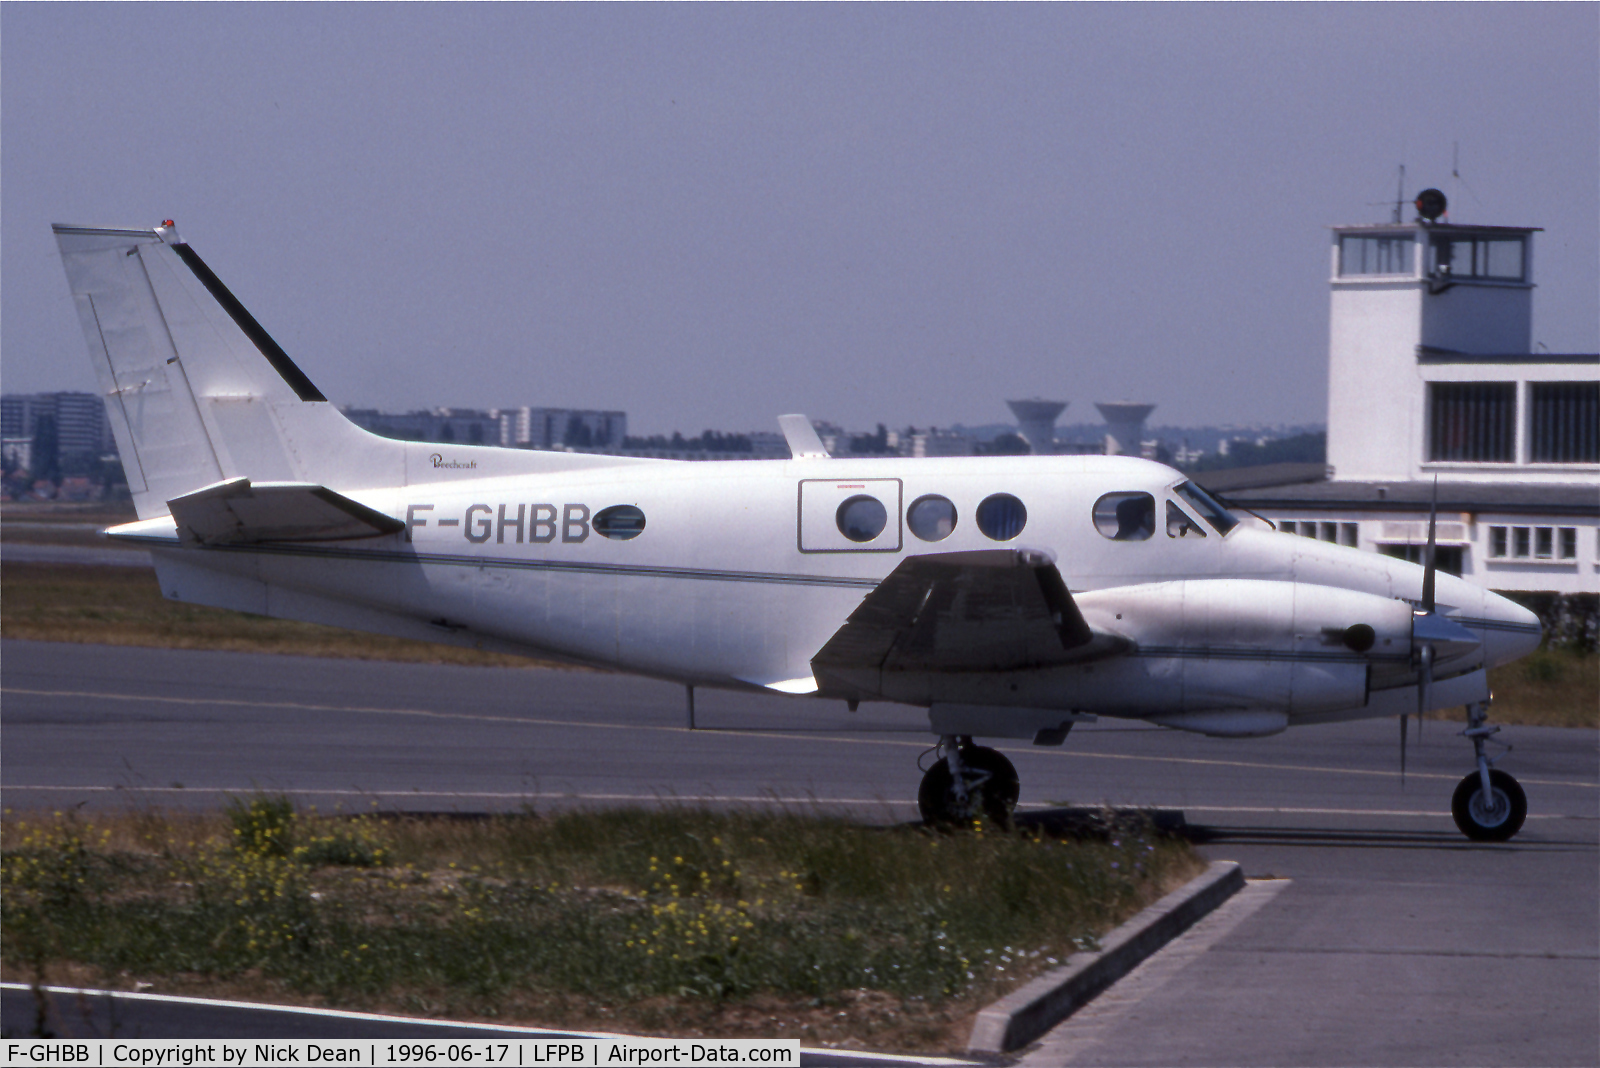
(439,461)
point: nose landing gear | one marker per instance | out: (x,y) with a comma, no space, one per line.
(968,782)
(1488,805)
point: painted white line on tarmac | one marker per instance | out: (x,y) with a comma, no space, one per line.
(744,799)
(846,738)
(370,1017)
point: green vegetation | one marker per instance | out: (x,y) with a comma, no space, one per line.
(124,606)
(1300,449)
(728,923)
(1550,688)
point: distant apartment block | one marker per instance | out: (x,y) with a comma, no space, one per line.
(74,425)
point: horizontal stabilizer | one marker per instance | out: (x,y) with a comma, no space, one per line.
(238,512)
(991,610)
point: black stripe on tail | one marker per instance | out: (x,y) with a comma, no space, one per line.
(253,330)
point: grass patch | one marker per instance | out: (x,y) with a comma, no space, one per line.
(729,923)
(124,606)
(1548,688)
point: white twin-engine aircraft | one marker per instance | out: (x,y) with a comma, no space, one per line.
(1009,596)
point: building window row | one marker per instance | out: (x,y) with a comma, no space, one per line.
(1322,530)
(1376,255)
(1533,543)
(1453,256)
(1476,422)
(1497,258)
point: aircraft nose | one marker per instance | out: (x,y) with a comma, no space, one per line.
(1510,631)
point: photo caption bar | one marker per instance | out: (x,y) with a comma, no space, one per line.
(159,1053)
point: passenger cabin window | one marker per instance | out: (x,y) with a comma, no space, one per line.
(1179,525)
(1001,516)
(862,518)
(620,522)
(931,518)
(1125,516)
(1208,506)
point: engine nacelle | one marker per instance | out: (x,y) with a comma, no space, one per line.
(1256,644)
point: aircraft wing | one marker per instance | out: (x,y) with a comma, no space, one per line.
(237,512)
(987,611)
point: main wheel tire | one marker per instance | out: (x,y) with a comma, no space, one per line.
(992,797)
(1499,818)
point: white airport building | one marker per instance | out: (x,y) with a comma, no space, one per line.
(1433,376)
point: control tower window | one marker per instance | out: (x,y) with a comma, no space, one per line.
(1376,255)
(1564,422)
(1497,258)
(1472,422)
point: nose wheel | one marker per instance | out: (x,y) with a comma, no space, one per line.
(968,782)
(1491,816)
(1488,805)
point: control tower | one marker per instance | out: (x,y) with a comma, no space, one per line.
(1036,421)
(1431,368)
(1124,426)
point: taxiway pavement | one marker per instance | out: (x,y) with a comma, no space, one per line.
(1396,941)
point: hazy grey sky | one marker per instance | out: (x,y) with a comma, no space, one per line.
(709,215)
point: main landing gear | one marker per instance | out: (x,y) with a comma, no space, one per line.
(1489,805)
(968,782)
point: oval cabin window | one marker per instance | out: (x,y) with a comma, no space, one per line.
(619,522)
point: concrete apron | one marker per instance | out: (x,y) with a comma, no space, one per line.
(1023,1015)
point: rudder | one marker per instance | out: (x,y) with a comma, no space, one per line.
(196,390)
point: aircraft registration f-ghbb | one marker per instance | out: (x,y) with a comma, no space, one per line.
(1010,596)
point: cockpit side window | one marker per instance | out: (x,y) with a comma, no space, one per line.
(1125,516)
(1179,525)
(1211,511)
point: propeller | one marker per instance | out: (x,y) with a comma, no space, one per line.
(1424,649)
(1430,631)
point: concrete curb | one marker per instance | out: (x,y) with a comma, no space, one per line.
(1023,1015)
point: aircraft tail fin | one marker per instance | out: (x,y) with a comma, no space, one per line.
(198,392)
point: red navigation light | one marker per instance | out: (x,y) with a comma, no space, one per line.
(168,222)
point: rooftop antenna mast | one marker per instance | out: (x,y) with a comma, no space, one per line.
(1455,171)
(1400,193)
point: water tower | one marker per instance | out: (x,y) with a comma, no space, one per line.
(1124,426)
(1036,422)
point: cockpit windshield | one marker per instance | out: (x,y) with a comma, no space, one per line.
(1212,512)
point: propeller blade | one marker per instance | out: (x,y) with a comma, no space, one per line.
(1403,717)
(1424,685)
(1428,565)
(1424,677)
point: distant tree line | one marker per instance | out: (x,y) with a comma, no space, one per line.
(872,444)
(1300,449)
(708,441)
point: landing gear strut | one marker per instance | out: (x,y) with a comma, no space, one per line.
(968,782)
(1489,805)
